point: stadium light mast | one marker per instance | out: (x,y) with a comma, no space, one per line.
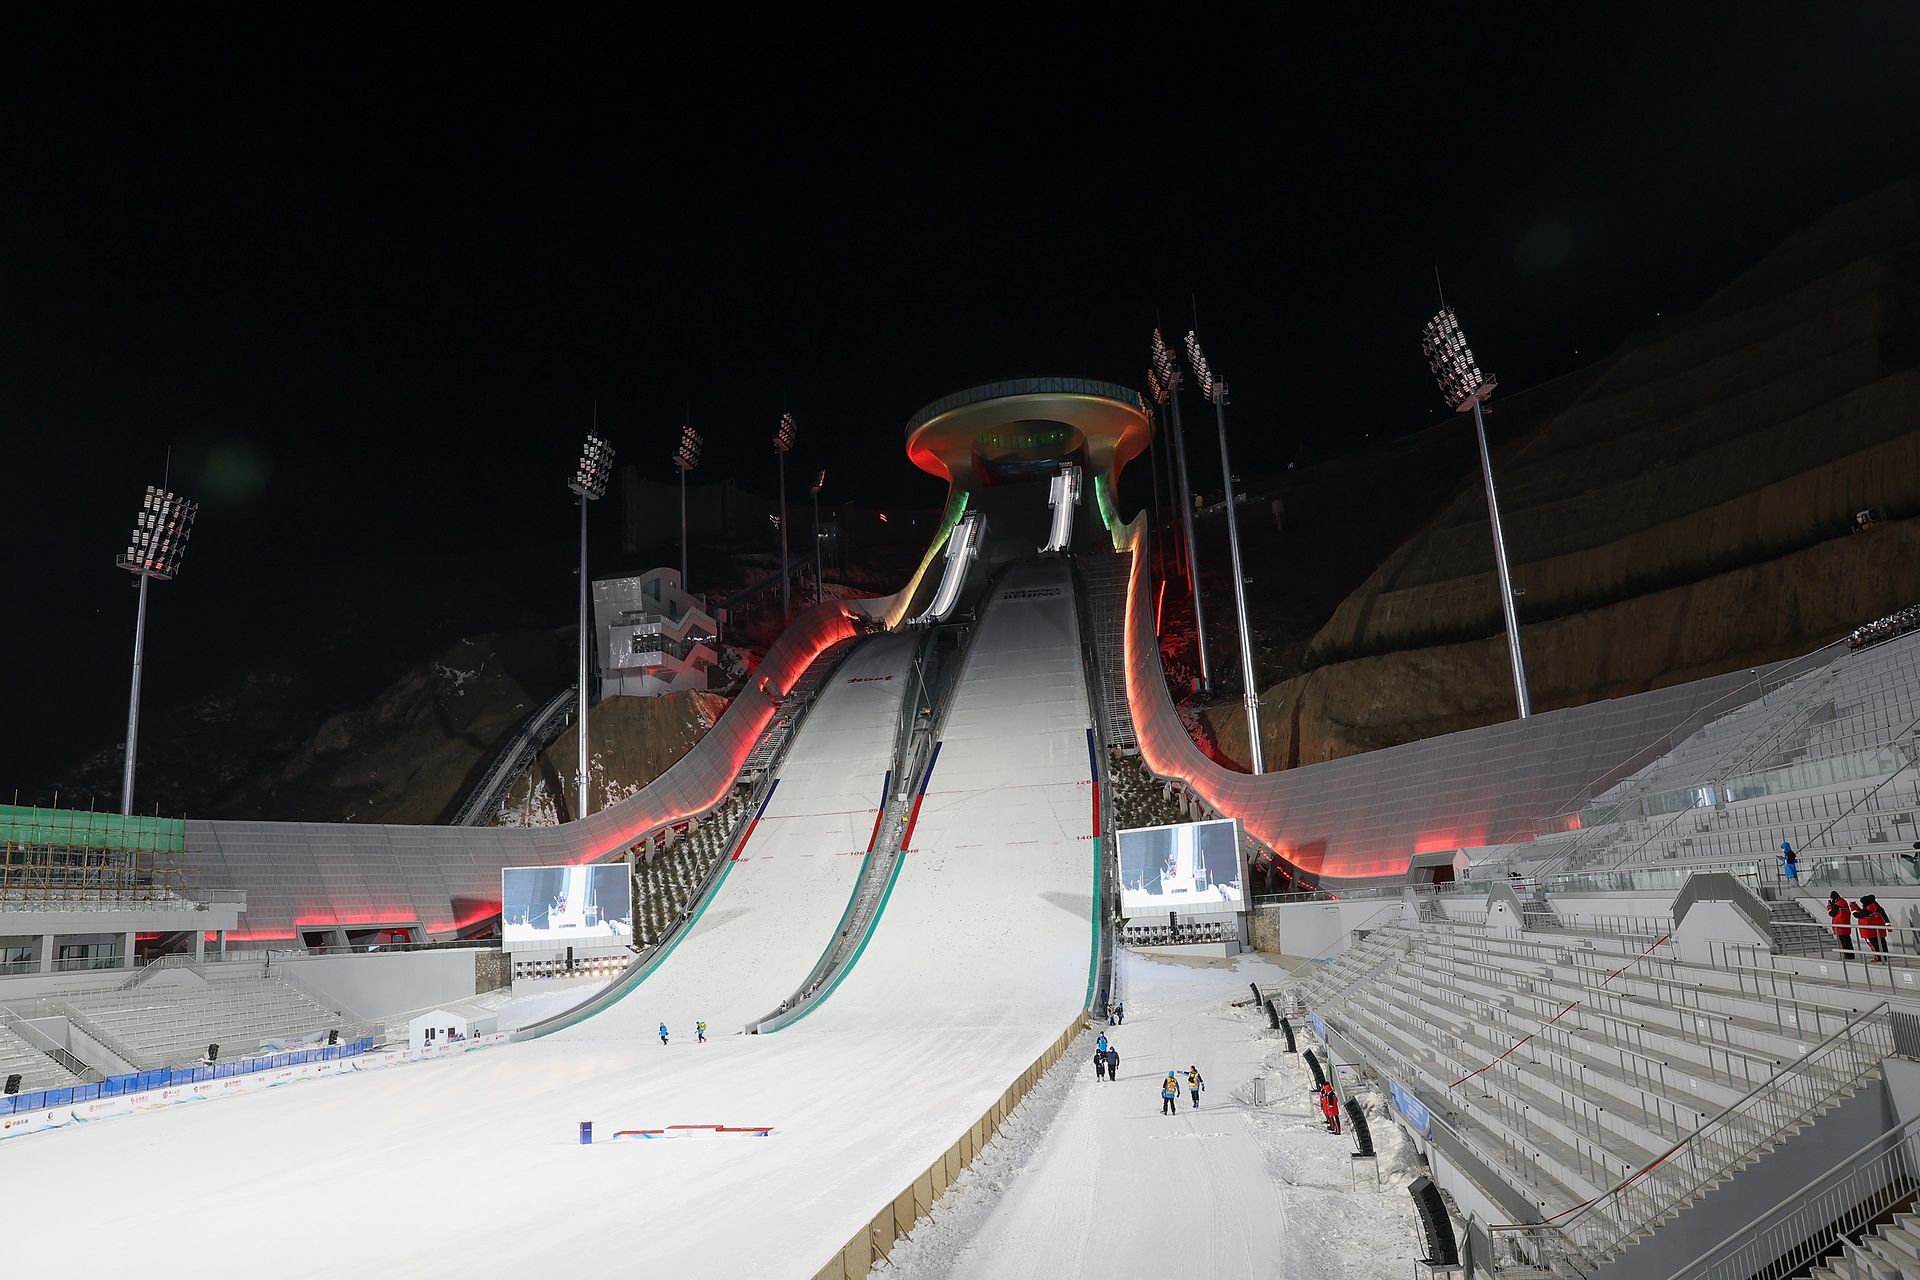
(159,542)
(1465,387)
(782,445)
(686,457)
(1163,379)
(590,483)
(1215,389)
(819,577)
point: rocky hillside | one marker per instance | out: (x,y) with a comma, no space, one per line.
(1689,512)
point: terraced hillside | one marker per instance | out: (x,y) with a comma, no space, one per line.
(1690,512)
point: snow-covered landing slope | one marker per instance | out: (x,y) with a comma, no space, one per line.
(470,1167)
(782,898)
(989,924)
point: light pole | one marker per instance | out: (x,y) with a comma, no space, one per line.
(1215,389)
(158,544)
(1465,387)
(1163,379)
(686,457)
(782,442)
(819,579)
(590,483)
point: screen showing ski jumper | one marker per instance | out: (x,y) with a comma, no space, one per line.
(543,905)
(1194,866)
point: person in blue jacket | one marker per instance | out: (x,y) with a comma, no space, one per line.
(663,1033)
(1101,1043)
(1170,1094)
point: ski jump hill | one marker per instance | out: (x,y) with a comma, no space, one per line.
(910,928)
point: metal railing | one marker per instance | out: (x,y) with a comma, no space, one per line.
(1812,1222)
(1607,1223)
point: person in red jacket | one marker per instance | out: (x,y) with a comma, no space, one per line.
(1330,1107)
(1873,921)
(1840,911)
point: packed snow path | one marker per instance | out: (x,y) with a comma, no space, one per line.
(416,1167)
(1100,1183)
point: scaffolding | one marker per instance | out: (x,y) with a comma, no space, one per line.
(63,855)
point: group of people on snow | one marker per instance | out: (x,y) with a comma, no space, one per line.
(699,1031)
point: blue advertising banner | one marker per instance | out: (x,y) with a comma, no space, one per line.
(1319,1027)
(1411,1107)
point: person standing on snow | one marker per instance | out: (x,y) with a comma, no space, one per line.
(1113,1063)
(1195,1084)
(699,1033)
(663,1033)
(1120,1014)
(1170,1095)
(1330,1107)
(1101,1043)
(1100,1062)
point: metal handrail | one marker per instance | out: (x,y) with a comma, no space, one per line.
(1806,1237)
(1598,1225)
(530,740)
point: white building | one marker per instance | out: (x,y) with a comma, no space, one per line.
(653,638)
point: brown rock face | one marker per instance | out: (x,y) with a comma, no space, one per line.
(1689,513)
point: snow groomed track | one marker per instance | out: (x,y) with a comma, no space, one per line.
(976,965)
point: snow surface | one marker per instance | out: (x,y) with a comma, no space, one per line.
(472,1166)
(785,893)
(1088,1178)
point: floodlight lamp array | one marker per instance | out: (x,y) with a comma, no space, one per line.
(784,437)
(1458,374)
(820,482)
(160,531)
(1210,388)
(1163,375)
(687,455)
(595,468)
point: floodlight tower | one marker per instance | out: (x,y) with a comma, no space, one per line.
(686,457)
(590,483)
(1163,379)
(782,444)
(159,542)
(1215,389)
(819,578)
(1465,387)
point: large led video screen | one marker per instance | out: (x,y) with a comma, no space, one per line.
(1194,866)
(557,906)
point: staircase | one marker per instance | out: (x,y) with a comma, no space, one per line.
(1890,1251)
(1794,930)
(1105,578)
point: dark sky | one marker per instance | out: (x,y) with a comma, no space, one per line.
(367,273)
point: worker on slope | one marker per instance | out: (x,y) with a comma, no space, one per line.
(1170,1095)
(1195,1084)
(1100,1061)
(700,1033)
(1113,1063)
(1840,912)
(663,1033)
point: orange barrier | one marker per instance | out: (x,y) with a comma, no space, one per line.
(875,1241)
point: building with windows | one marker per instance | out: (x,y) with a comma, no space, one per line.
(653,638)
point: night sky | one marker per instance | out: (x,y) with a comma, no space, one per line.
(367,276)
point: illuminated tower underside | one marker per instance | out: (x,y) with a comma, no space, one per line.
(999,445)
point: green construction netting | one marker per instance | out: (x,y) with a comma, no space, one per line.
(71,829)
